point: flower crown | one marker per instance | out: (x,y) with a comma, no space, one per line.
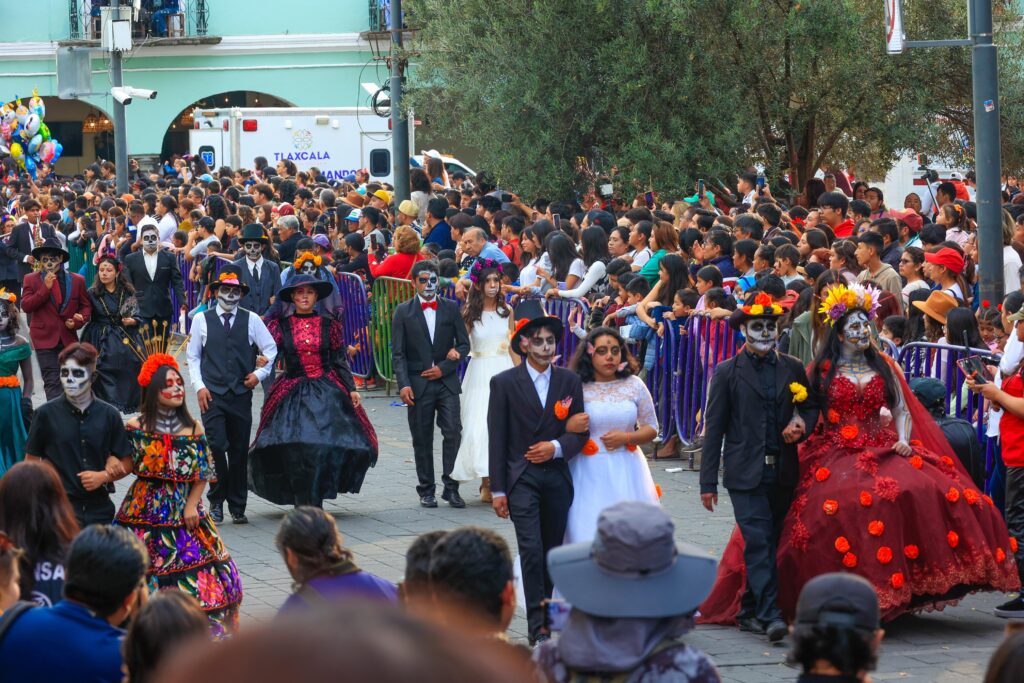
(481,265)
(841,299)
(152,364)
(9,297)
(228,278)
(763,304)
(307,256)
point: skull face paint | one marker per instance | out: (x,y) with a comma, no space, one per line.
(426,285)
(172,394)
(5,319)
(228,296)
(150,241)
(308,268)
(492,285)
(75,379)
(541,347)
(253,249)
(762,334)
(51,262)
(856,332)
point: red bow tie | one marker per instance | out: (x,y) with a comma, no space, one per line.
(430,304)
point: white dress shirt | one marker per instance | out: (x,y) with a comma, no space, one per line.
(258,335)
(151,260)
(257,264)
(429,314)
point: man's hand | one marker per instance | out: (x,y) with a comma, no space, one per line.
(114,468)
(261,361)
(251,380)
(69,323)
(709,501)
(431,373)
(79,320)
(129,322)
(93,480)
(204,397)
(49,280)
(461,289)
(407,396)
(551,294)
(500,505)
(356,399)
(453,355)
(794,430)
(540,452)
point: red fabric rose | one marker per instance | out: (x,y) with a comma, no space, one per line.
(953,538)
(887,488)
(1013,544)
(822,474)
(884,555)
(946,460)
(833,416)
(1000,555)
(849,560)
(916,442)
(865,499)
(849,432)
(589,448)
(842,544)
(971,496)
(952,495)
(876,527)
(897,580)
(830,507)
(911,552)
(916,461)
(988,499)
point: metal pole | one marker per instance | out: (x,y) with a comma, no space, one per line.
(399,122)
(985,76)
(120,132)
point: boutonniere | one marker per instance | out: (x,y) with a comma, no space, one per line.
(799,392)
(562,408)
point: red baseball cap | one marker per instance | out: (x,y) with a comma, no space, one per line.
(948,257)
(912,219)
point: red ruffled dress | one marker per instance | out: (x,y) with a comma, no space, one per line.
(915,527)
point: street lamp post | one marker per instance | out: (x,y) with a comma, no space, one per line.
(399,121)
(120,130)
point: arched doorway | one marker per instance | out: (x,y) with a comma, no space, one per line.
(85,131)
(176,137)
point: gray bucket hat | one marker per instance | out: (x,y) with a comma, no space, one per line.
(634,567)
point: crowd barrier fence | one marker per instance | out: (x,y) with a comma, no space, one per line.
(356,321)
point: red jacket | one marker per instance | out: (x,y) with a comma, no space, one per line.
(47,328)
(396,265)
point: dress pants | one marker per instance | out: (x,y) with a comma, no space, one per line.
(436,402)
(539,507)
(759,514)
(1015,512)
(49,368)
(228,423)
(94,511)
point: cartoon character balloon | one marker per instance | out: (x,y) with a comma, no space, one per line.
(25,137)
(36,104)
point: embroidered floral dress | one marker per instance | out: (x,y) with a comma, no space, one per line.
(194,561)
(12,422)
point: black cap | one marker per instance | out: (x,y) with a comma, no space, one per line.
(838,599)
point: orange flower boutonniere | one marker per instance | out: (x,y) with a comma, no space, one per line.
(562,408)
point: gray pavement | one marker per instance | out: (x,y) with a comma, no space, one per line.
(952,646)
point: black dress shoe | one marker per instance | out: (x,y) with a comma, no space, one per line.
(453,498)
(750,624)
(428,501)
(217,513)
(240,518)
(776,630)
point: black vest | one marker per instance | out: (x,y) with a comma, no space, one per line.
(227,356)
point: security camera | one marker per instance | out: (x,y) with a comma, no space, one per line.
(122,95)
(142,93)
(125,94)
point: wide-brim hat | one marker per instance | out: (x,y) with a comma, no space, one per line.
(530,314)
(633,568)
(229,275)
(322,288)
(763,306)
(937,305)
(253,232)
(51,244)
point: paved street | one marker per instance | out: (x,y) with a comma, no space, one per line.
(378,524)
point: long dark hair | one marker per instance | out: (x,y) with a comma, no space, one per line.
(165,621)
(961,321)
(594,242)
(915,316)
(121,283)
(678,277)
(36,513)
(561,253)
(583,363)
(474,308)
(150,403)
(313,536)
(1007,662)
(826,363)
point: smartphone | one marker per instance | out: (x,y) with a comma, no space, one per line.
(649,199)
(373,242)
(556,614)
(760,184)
(700,189)
(974,369)
(506,198)
(555,218)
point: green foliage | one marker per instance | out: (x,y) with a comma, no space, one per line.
(668,91)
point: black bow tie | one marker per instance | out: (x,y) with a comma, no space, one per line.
(761,361)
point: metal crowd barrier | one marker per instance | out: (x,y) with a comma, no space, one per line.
(386,295)
(356,318)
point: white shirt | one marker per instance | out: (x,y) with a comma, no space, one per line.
(167,227)
(1011,269)
(541,382)
(258,335)
(201,246)
(429,314)
(750,198)
(640,257)
(150,260)
(257,264)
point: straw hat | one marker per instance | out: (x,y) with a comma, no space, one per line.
(937,305)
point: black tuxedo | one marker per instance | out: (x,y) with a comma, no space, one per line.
(412,352)
(154,294)
(21,242)
(257,299)
(743,424)
(539,495)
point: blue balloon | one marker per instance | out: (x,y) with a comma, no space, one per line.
(33,144)
(30,166)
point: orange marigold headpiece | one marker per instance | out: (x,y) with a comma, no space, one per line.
(763,304)
(152,364)
(307,256)
(10,297)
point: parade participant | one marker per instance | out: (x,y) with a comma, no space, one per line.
(58,306)
(28,236)
(489,320)
(114,331)
(163,507)
(15,354)
(155,275)
(314,439)
(620,417)
(428,338)
(758,407)
(222,351)
(262,276)
(530,450)
(81,436)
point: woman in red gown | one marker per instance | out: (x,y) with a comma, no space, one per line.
(879,495)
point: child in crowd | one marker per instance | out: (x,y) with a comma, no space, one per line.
(991,328)
(787,258)
(683,304)
(447,268)
(894,328)
(620,301)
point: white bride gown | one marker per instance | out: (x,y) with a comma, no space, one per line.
(609,477)
(488,343)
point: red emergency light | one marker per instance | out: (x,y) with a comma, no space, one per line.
(249,125)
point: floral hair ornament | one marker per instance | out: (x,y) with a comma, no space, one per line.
(229,279)
(842,299)
(9,297)
(484,264)
(154,363)
(307,256)
(763,304)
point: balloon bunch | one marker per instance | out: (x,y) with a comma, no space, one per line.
(24,137)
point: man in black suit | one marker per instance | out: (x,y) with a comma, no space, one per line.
(755,412)
(261,275)
(155,273)
(428,338)
(530,450)
(26,236)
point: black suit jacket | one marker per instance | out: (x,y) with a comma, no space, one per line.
(412,352)
(257,299)
(516,420)
(154,294)
(20,244)
(732,418)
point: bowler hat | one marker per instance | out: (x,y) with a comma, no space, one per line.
(229,275)
(530,315)
(51,244)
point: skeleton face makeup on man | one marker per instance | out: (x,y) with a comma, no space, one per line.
(426,285)
(76,380)
(228,296)
(540,348)
(856,332)
(51,261)
(253,249)
(762,335)
(150,241)
(308,268)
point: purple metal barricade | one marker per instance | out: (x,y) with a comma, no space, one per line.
(356,322)
(661,380)
(566,310)
(706,343)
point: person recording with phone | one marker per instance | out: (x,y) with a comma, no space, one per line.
(399,264)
